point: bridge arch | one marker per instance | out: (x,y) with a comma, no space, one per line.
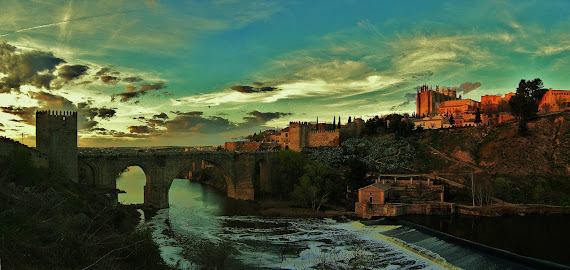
(261,178)
(229,178)
(87,173)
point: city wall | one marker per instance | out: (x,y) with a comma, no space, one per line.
(7,146)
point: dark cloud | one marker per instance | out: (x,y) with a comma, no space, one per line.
(109,79)
(467,87)
(27,114)
(190,114)
(132,79)
(52,102)
(153,86)
(139,129)
(160,116)
(195,122)
(33,68)
(126,96)
(409,98)
(143,90)
(258,117)
(102,71)
(422,74)
(106,113)
(71,72)
(251,89)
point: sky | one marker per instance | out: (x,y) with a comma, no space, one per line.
(190,73)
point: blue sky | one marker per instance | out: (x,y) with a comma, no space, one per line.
(204,72)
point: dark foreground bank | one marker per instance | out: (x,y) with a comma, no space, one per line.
(63,225)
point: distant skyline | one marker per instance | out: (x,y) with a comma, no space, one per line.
(144,73)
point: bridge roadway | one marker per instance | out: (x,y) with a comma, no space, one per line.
(245,172)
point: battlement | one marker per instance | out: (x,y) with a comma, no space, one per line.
(56,113)
(325,131)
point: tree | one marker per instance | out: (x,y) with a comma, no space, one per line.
(339,122)
(451,120)
(288,167)
(524,104)
(355,174)
(477,116)
(315,186)
(349,120)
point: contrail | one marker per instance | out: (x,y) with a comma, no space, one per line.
(66,21)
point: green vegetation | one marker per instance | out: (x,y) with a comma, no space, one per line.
(533,189)
(393,124)
(47,222)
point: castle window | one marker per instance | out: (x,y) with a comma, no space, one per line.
(64,118)
(286,134)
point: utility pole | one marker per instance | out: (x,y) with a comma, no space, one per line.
(472,189)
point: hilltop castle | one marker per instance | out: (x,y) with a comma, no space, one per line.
(436,108)
(299,135)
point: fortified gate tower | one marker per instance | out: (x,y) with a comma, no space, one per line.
(56,137)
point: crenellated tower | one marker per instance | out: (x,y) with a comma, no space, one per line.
(56,137)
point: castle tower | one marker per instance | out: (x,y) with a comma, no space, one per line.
(298,135)
(56,137)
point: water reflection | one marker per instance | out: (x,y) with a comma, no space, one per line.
(132,181)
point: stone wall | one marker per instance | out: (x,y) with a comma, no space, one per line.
(8,145)
(242,146)
(323,138)
(367,210)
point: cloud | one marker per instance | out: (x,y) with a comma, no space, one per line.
(27,114)
(262,118)
(102,71)
(71,72)
(195,122)
(109,79)
(132,79)
(143,90)
(252,89)
(160,116)
(106,113)
(52,102)
(145,87)
(467,87)
(139,129)
(33,68)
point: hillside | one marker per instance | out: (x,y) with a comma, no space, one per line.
(530,169)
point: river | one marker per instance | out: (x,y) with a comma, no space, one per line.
(200,214)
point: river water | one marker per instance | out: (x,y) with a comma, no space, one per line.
(200,214)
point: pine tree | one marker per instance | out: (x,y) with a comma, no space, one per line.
(349,120)
(339,122)
(478,116)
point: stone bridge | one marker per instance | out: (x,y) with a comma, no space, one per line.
(245,173)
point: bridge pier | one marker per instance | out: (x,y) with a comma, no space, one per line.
(156,195)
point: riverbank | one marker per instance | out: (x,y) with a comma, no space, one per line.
(513,209)
(277,208)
